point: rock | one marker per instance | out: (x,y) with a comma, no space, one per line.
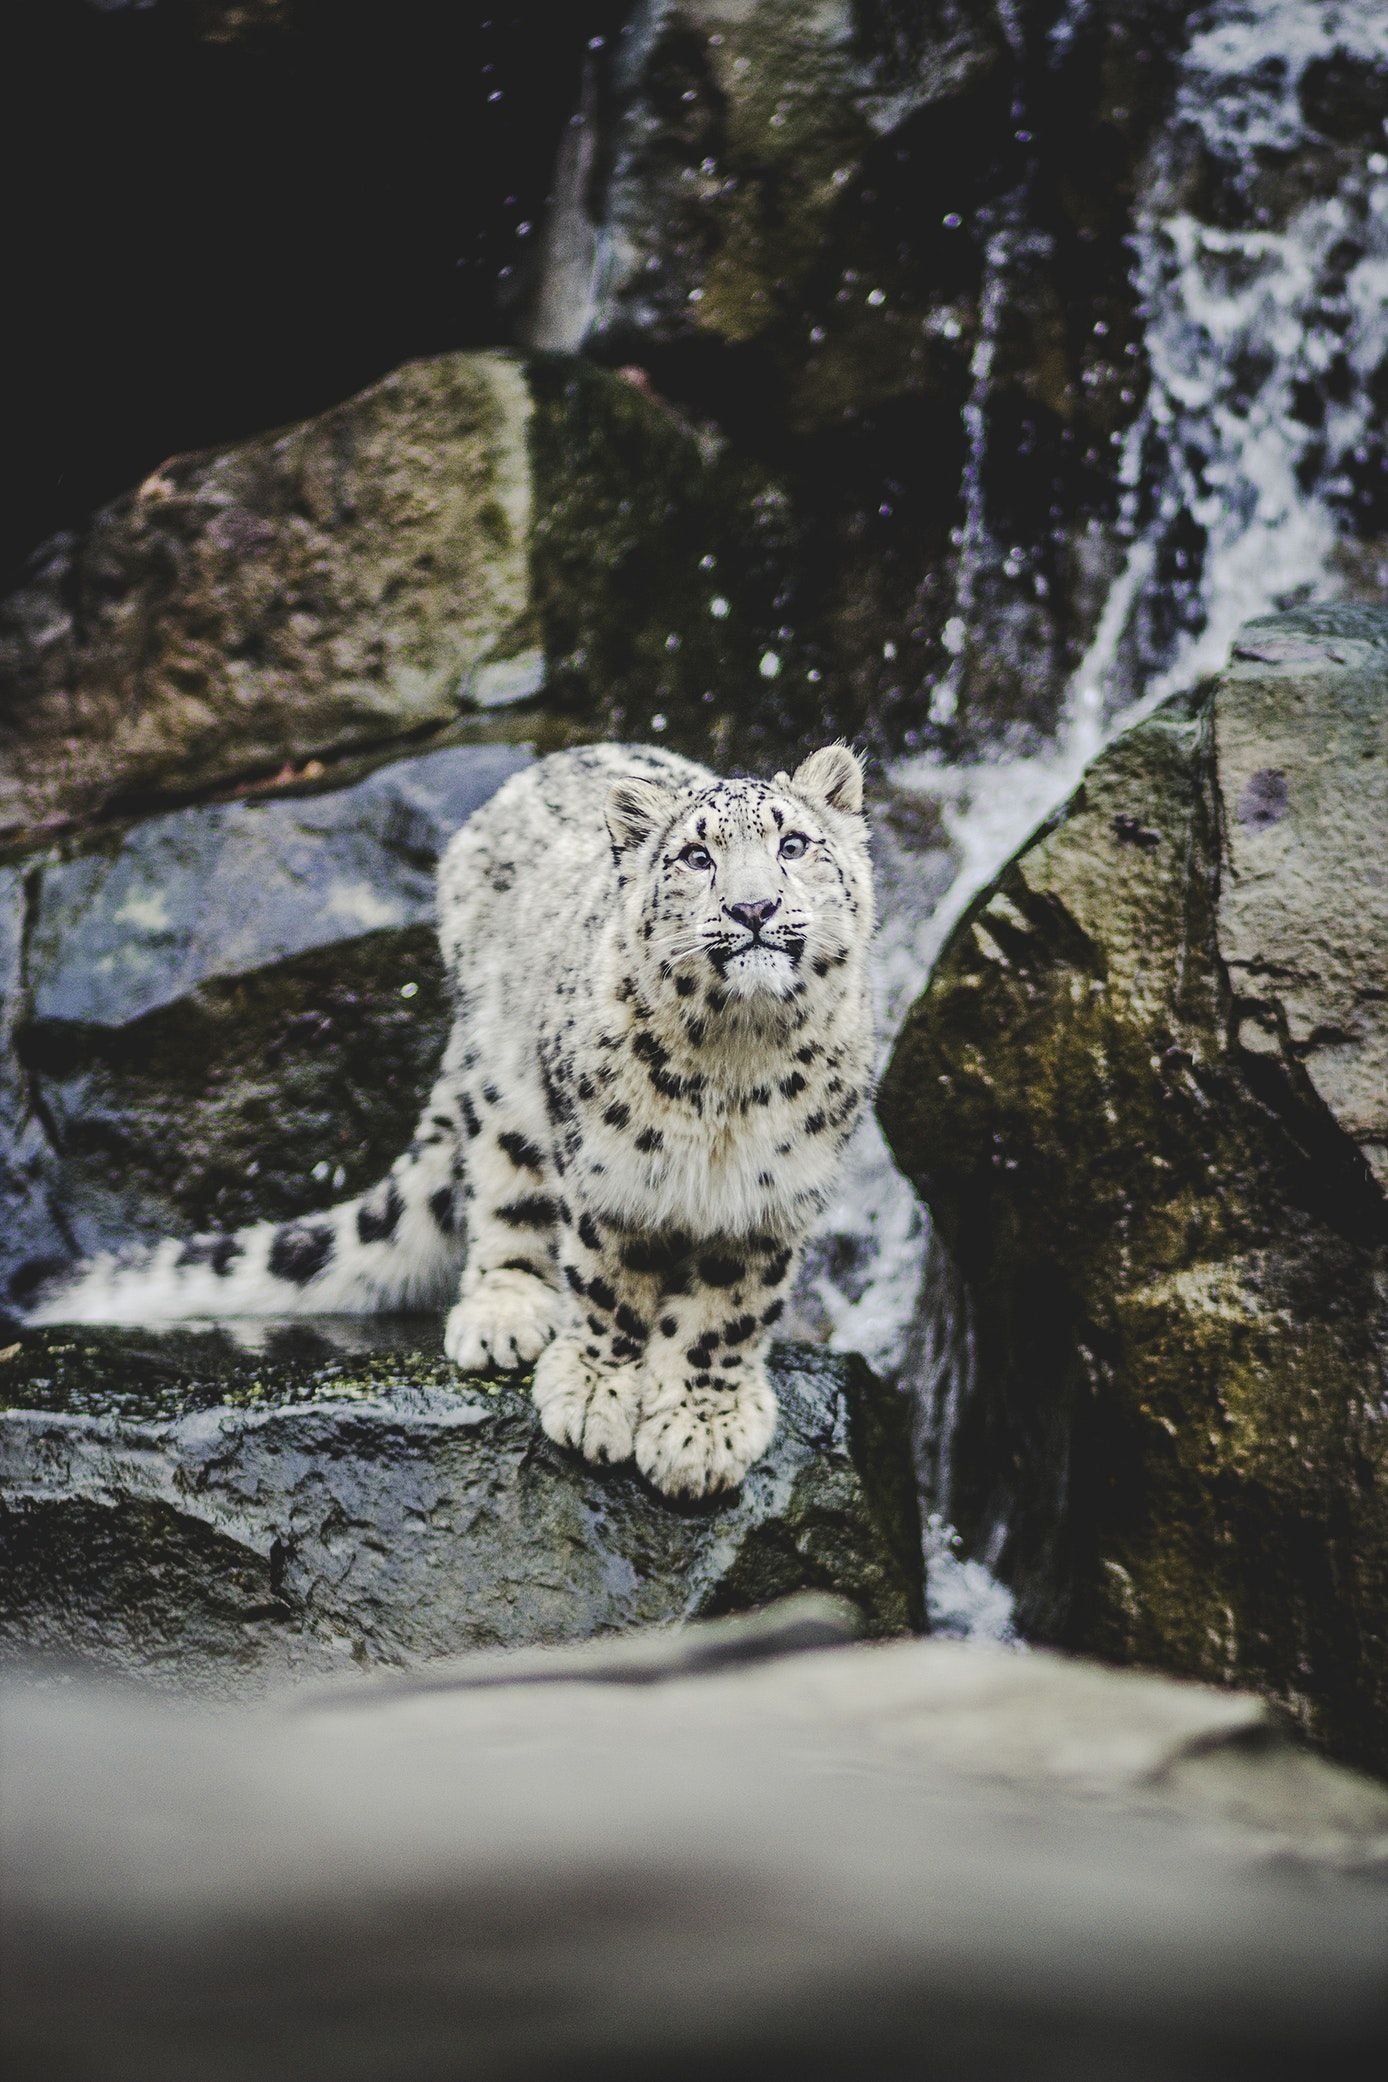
(887,250)
(331,585)
(676,1858)
(228,1011)
(224,1510)
(1145,1097)
(471,533)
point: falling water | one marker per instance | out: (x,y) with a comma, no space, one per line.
(1265,332)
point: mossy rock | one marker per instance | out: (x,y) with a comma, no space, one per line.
(225,1510)
(1146,1100)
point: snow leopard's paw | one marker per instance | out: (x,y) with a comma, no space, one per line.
(594,1409)
(504,1322)
(692,1441)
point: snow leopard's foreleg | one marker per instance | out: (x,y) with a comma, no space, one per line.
(708,1410)
(667,1363)
(510,1302)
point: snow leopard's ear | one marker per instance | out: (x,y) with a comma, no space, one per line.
(634,809)
(834,776)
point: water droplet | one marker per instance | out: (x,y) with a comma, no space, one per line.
(659,723)
(718,608)
(889,649)
(954,635)
(672,642)
(953,221)
(409,990)
(707,561)
(696,296)
(877,296)
(321,1169)
(770,665)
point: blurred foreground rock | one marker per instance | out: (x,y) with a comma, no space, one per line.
(1146,1097)
(629,1860)
(218,1511)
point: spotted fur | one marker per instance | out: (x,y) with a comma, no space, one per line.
(661,1044)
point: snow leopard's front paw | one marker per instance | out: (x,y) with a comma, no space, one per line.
(504,1322)
(594,1409)
(692,1441)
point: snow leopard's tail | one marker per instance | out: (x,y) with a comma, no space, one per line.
(398,1246)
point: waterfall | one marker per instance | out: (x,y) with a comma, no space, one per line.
(1265,335)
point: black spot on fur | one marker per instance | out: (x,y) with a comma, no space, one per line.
(630,1322)
(668,1326)
(700,1355)
(814,1123)
(657,1254)
(697,1033)
(589,1232)
(533,1211)
(522,1265)
(523,1154)
(808,1053)
(685,986)
(491,1095)
(376,1218)
(574,1280)
(623,1348)
(774,1313)
(649,1139)
(739,1330)
(718,1271)
(617,1114)
(220,1252)
(300,1251)
(777,1269)
(792,1084)
(443,1209)
(599,1291)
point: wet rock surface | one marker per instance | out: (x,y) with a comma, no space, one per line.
(224,1012)
(225,1511)
(1145,1098)
(689,1855)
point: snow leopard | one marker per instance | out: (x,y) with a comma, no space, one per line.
(660,1044)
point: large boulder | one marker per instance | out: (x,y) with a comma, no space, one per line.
(221,1511)
(690,1856)
(469,534)
(1146,1098)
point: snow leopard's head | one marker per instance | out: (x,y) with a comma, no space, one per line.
(746,894)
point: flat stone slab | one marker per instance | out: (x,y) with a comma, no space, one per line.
(225,1510)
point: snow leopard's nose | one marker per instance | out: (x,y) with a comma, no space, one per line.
(754,916)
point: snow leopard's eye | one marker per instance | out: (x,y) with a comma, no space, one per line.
(697,857)
(793,845)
